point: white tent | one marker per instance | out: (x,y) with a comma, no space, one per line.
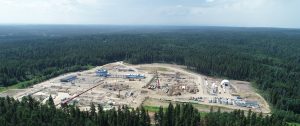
(225,82)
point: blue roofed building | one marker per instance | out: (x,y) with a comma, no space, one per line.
(102,73)
(135,76)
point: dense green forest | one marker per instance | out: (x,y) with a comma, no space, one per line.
(32,113)
(270,58)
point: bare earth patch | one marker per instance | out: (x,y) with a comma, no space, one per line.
(163,83)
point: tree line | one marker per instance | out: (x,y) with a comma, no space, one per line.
(31,112)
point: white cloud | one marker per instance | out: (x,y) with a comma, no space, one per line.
(177,12)
(210,0)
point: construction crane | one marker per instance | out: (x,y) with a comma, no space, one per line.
(153,79)
(65,102)
(177,77)
(158,84)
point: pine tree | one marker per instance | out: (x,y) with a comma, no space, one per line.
(145,120)
(177,115)
(249,116)
(253,119)
(93,111)
(170,115)
(51,102)
(161,116)
(156,119)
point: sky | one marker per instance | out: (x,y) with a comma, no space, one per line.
(239,13)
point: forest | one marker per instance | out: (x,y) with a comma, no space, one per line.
(269,58)
(32,113)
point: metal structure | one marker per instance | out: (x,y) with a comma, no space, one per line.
(158,84)
(69,78)
(65,102)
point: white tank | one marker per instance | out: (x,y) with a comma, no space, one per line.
(225,82)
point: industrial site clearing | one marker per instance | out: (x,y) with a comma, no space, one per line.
(116,84)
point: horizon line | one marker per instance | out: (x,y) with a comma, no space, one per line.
(142,25)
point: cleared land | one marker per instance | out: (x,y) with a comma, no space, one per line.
(150,85)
